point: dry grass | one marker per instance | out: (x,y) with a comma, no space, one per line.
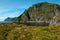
(23,32)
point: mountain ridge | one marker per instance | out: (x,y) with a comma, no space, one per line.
(9,19)
(43,11)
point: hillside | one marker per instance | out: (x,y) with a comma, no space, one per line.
(44,12)
(9,19)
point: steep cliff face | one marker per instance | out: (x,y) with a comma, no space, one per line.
(41,12)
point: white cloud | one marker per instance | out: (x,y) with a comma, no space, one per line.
(2,18)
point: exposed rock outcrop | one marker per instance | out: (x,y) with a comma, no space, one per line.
(41,12)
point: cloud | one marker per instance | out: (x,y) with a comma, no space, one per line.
(2,18)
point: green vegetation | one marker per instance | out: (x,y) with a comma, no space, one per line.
(24,32)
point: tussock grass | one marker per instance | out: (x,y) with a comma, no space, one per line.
(23,32)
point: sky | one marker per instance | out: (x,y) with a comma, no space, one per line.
(14,8)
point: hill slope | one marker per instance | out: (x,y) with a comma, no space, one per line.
(10,19)
(41,12)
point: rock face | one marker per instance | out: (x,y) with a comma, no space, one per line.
(55,21)
(41,12)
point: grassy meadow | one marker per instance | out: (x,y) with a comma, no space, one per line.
(24,32)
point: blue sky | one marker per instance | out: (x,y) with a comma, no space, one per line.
(14,8)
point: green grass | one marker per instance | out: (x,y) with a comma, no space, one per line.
(23,32)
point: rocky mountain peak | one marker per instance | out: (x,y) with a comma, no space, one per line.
(41,12)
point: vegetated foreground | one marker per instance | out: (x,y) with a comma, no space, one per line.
(24,32)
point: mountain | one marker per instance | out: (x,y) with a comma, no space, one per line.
(9,19)
(43,12)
